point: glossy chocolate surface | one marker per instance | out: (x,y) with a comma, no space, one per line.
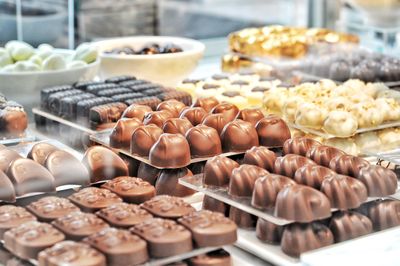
(206,103)
(173,106)
(216,121)
(268,232)
(167,207)
(214,205)
(218,171)
(379,181)
(312,175)
(243,178)
(13,216)
(204,141)
(7,156)
(229,110)
(40,151)
(143,138)
(288,164)
(177,126)
(7,191)
(348,165)
(242,219)
(167,183)
(250,115)
(384,214)
(194,114)
(157,118)
(121,134)
(239,136)
(136,111)
(91,199)
(323,155)
(50,208)
(148,173)
(260,156)
(272,131)
(299,145)
(214,258)
(170,151)
(349,225)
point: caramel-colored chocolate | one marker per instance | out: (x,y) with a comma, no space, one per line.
(121,134)
(229,110)
(173,106)
(272,131)
(204,141)
(177,126)
(243,178)
(218,171)
(250,115)
(143,138)
(239,136)
(167,183)
(194,114)
(170,151)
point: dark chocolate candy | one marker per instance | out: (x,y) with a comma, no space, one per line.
(113,91)
(348,225)
(260,156)
(91,199)
(50,208)
(182,96)
(243,178)
(268,232)
(143,138)
(206,103)
(54,100)
(167,207)
(239,136)
(167,182)
(250,115)
(13,216)
(170,151)
(242,219)
(150,101)
(68,105)
(194,114)
(177,126)
(218,171)
(272,131)
(84,84)
(83,108)
(229,110)
(45,93)
(119,79)
(127,96)
(133,83)
(96,88)
(204,141)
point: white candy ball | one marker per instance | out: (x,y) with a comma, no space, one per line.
(54,62)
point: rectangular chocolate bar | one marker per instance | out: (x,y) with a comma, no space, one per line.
(152,91)
(119,79)
(113,91)
(68,105)
(99,87)
(149,101)
(127,96)
(83,108)
(45,93)
(54,101)
(106,113)
(84,84)
(145,87)
(133,83)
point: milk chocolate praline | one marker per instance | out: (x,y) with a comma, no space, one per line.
(348,225)
(177,126)
(214,258)
(40,151)
(121,134)
(7,191)
(217,121)
(168,207)
(312,175)
(157,117)
(239,135)
(228,110)
(242,219)
(218,171)
(170,151)
(384,214)
(323,155)
(379,181)
(136,111)
(243,178)
(260,156)
(214,205)
(268,232)
(167,183)
(12,216)
(148,173)
(299,145)
(204,141)
(173,106)
(194,114)
(143,138)
(7,156)
(290,163)
(250,115)
(348,165)
(272,131)
(206,103)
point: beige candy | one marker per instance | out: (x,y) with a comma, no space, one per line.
(338,103)
(390,138)
(345,144)
(389,107)
(367,114)
(310,115)
(341,124)
(291,106)
(373,89)
(367,142)
(274,100)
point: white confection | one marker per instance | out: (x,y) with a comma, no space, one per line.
(347,145)
(290,107)
(240,101)
(389,94)
(327,84)
(274,100)
(26,66)
(389,107)
(19,51)
(390,138)
(338,103)
(37,60)
(310,115)
(373,89)
(54,62)
(367,114)
(341,124)
(367,142)
(86,52)
(356,84)
(5,58)
(344,91)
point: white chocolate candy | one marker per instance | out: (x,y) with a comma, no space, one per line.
(86,52)
(54,62)
(26,66)
(337,103)
(37,60)
(389,107)
(347,145)
(311,115)
(5,58)
(19,51)
(367,142)
(291,106)
(341,124)
(367,114)
(390,138)
(373,89)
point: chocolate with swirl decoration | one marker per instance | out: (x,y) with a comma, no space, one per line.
(167,207)
(348,225)
(299,145)
(243,178)
(384,214)
(312,175)
(239,136)
(121,134)
(322,154)
(379,180)
(50,208)
(91,199)
(268,232)
(260,156)
(348,165)
(218,171)
(290,163)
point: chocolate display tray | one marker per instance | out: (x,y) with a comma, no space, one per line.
(27,136)
(196,183)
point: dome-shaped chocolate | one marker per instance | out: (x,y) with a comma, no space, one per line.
(121,134)
(204,141)
(266,189)
(348,225)
(167,182)
(312,175)
(260,156)
(268,232)
(170,151)
(288,164)
(7,156)
(229,110)
(173,106)
(177,126)
(148,173)
(194,114)
(217,121)
(272,131)
(157,117)
(218,171)
(242,219)
(243,178)
(379,180)
(136,111)
(299,238)
(344,192)
(214,205)
(348,165)
(299,145)
(250,115)
(384,214)
(322,154)
(143,138)
(206,103)
(239,135)
(302,204)
(40,151)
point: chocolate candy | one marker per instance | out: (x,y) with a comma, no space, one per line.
(148,173)
(121,134)
(113,91)
(167,207)
(150,101)
(45,93)
(50,208)
(131,189)
(29,176)
(7,156)
(182,96)
(323,155)
(204,141)
(28,239)
(344,192)
(260,156)
(13,216)
(272,131)
(210,228)
(103,164)
(143,138)
(173,106)
(96,88)
(243,178)
(177,126)
(218,171)
(119,79)
(242,219)
(91,199)
(194,114)
(157,117)
(126,96)
(266,190)
(119,246)
(54,100)
(136,111)
(348,165)
(299,145)
(228,110)
(299,238)
(348,225)
(268,232)
(106,113)
(217,121)
(71,253)
(312,175)
(84,84)
(40,151)
(164,237)
(68,105)
(170,151)
(167,183)
(13,120)
(379,181)
(214,258)
(384,214)
(124,215)
(206,103)
(7,191)
(288,164)
(250,115)
(239,136)
(66,169)
(214,205)
(83,108)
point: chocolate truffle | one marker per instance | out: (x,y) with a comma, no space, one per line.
(348,225)
(148,173)
(210,228)
(103,164)
(78,225)
(170,151)
(217,121)
(309,203)
(40,151)
(66,169)
(206,103)
(266,190)
(288,164)
(167,183)
(260,156)
(268,232)
(384,214)
(214,258)
(136,111)
(71,253)
(28,239)
(243,178)
(204,141)
(171,238)
(173,106)
(218,171)
(214,205)
(312,175)
(29,176)
(13,216)
(348,165)
(239,136)
(121,134)
(242,219)
(299,238)
(272,131)
(157,118)
(229,111)
(344,192)
(167,207)
(323,155)
(91,199)
(131,189)
(299,145)
(194,114)
(143,138)
(250,115)
(124,215)
(50,208)
(119,246)
(177,126)
(7,156)
(379,181)
(7,191)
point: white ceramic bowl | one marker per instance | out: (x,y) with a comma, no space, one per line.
(25,87)
(380,13)
(166,69)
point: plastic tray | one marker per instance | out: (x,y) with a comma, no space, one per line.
(27,136)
